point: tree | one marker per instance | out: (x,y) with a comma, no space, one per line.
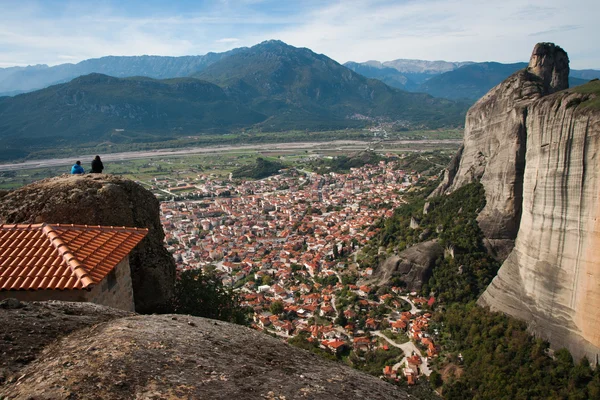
(276,307)
(336,254)
(267,280)
(203,295)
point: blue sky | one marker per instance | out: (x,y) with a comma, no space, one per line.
(54,32)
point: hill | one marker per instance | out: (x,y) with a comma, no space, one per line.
(97,108)
(15,80)
(258,170)
(81,350)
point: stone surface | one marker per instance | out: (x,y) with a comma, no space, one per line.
(95,199)
(552,277)
(494,144)
(168,357)
(413,265)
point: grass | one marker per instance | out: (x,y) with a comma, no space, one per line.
(592,87)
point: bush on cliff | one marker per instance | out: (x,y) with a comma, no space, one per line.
(203,295)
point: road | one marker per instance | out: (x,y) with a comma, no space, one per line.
(346,145)
(408,348)
(413,308)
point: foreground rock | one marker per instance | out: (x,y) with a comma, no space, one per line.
(495,144)
(95,199)
(552,277)
(176,356)
(413,266)
(27,328)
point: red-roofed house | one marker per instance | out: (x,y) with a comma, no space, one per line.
(68,262)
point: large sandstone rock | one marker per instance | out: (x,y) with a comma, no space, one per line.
(170,357)
(103,200)
(552,277)
(413,265)
(495,143)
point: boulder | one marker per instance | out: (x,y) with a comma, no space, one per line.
(413,265)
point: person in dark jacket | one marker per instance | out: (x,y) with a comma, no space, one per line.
(97,165)
(77,168)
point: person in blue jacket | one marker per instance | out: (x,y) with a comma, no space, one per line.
(77,168)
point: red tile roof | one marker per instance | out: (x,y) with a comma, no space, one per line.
(56,256)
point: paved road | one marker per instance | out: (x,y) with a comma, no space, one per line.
(413,308)
(408,348)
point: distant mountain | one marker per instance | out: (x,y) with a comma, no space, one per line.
(467,81)
(96,108)
(16,80)
(424,67)
(388,75)
(585,74)
(302,89)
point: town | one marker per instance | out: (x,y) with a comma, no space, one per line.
(290,246)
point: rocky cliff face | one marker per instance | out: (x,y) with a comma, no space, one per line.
(103,200)
(535,148)
(116,355)
(495,144)
(413,266)
(552,277)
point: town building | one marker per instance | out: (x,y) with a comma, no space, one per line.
(81,263)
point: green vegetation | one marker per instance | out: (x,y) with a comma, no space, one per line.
(502,361)
(97,108)
(342,164)
(373,362)
(302,342)
(203,295)
(593,87)
(426,163)
(452,220)
(262,168)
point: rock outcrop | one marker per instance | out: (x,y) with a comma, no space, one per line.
(103,200)
(552,277)
(535,147)
(495,144)
(413,266)
(166,356)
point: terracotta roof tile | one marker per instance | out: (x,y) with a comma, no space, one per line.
(57,256)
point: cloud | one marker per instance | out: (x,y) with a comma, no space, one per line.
(557,29)
(455,30)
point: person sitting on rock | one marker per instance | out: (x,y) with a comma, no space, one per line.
(97,165)
(77,168)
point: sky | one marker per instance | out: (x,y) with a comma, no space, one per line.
(55,32)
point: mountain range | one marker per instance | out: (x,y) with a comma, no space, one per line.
(268,87)
(15,80)
(271,87)
(466,81)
